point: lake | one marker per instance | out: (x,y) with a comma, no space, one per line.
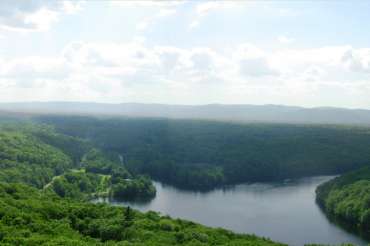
(284,212)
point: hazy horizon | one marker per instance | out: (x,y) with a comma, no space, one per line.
(184,104)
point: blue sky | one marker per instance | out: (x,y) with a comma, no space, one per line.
(307,53)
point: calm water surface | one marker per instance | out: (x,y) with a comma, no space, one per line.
(284,212)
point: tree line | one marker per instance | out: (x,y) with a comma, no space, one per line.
(203,154)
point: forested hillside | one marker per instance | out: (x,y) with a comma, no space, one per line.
(347,198)
(25,159)
(203,154)
(31,217)
(70,166)
(54,210)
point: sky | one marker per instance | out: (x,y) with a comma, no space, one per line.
(303,53)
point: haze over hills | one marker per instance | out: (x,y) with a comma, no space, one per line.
(238,113)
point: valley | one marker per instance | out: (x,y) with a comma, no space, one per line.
(86,159)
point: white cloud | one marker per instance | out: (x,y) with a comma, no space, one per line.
(72,7)
(285,40)
(247,50)
(144,3)
(163,13)
(204,8)
(357,60)
(162,9)
(256,67)
(35,15)
(42,19)
(114,72)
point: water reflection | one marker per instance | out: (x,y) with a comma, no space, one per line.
(284,211)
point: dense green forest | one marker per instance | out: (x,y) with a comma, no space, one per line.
(49,172)
(25,159)
(32,217)
(78,184)
(202,154)
(347,199)
(43,192)
(38,156)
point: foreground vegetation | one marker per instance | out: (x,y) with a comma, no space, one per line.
(31,217)
(202,155)
(43,188)
(347,199)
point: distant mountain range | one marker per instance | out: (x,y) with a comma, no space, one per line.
(238,113)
